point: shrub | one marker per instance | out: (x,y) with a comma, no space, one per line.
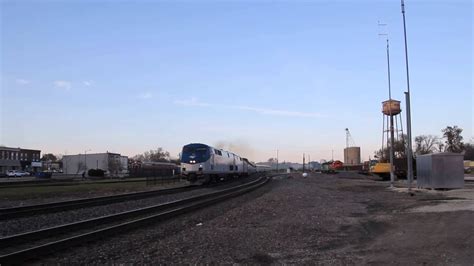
(96,172)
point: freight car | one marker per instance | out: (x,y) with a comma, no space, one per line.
(153,169)
(201,164)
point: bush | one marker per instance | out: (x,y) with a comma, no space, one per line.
(96,172)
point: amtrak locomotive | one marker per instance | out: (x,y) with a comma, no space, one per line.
(201,163)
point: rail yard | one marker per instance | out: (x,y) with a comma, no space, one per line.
(339,218)
(211,133)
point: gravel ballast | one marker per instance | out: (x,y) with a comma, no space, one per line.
(27,224)
(324,219)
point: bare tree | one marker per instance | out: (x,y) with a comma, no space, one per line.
(399,149)
(158,155)
(115,166)
(440,146)
(425,144)
(49,157)
(80,167)
(272,160)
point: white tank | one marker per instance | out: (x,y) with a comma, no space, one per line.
(352,156)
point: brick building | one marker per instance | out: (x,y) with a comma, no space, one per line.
(19,159)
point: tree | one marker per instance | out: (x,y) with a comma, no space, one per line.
(469,151)
(453,139)
(158,155)
(272,160)
(49,157)
(425,144)
(399,149)
(81,167)
(115,166)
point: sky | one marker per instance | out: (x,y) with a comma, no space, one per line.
(251,76)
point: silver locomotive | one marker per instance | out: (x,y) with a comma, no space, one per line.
(201,163)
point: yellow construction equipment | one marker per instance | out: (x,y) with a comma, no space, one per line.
(381,169)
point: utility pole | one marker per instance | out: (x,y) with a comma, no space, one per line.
(392,135)
(303,162)
(277,160)
(407,95)
(85,158)
(309,162)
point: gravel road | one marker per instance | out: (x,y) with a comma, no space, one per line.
(322,219)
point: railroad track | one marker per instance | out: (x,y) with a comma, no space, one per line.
(29,210)
(30,245)
(63,183)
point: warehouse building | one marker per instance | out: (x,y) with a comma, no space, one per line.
(113,164)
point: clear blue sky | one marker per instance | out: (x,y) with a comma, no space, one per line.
(263,75)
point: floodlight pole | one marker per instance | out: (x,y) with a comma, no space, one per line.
(407,95)
(277,160)
(392,174)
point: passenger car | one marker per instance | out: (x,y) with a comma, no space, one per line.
(17,173)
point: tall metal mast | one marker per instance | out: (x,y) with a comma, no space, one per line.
(392,133)
(407,95)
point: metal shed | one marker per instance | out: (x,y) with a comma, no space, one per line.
(440,170)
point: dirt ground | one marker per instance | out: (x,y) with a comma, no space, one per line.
(422,227)
(322,219)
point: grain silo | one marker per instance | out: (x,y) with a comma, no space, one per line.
(351,152)
(352,156)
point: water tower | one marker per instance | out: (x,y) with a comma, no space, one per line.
(391,115)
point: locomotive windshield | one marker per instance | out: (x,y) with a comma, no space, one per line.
(195,153)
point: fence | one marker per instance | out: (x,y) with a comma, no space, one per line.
(160,180)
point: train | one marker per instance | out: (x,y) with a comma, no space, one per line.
(152,169)
(203,164)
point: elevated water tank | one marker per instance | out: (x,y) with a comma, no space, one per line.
(391,107)
(352,156)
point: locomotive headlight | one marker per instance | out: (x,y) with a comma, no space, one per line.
(200,165)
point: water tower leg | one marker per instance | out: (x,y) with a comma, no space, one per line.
(392,137)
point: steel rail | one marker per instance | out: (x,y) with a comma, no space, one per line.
(165,211)
(64,183)
(29,210)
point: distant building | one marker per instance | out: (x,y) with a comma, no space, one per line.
(19,159)
(51,166)
(263,167)
(112,163)
(316,166)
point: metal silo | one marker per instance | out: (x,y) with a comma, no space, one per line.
(352,156)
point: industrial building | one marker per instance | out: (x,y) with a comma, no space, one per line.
(113,164)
